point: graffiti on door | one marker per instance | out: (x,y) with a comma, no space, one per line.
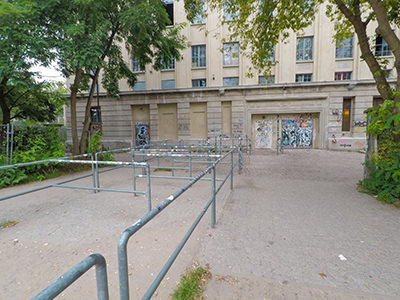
(263,134)
(297,133)
(142,134)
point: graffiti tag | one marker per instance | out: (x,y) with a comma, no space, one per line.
(142,134)
(263,134)
(297,133)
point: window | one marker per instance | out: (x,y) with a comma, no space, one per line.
(140,86)
(197,83)
(304,49)
(169,7)
(230,54)
(230,81)
(344,49)
(262,80)
(342,75)
(346,113)
(168,84)
(382,47)
(95,114)
(136,65)
(200,18)
(230,13)
(303,77)
(199,56)
(377,101)
(168,65)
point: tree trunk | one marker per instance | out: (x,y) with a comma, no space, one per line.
(73,100)
(86,122)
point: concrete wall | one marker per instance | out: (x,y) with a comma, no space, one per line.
(323,103)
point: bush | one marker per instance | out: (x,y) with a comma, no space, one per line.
(33,143)
(384,167)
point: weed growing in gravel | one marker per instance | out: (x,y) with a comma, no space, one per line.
(6,224)
(191,285)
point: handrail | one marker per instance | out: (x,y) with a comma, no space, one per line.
(125,236)
(64,281)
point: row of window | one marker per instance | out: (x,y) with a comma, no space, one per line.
(304,52)
(234,81)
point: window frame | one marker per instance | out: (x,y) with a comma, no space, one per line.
(200,18)
(232,46)
(199,80)
(346,114)
(302,47)
(303,76)
(341,48)
(230,77)
(383,50)
(168,80)
(168,67)
(267,80)
(339,76)
(199,57)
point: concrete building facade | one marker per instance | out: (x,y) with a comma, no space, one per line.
(315,97)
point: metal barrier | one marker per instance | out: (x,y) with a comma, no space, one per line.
(72,275)
(94,164)
(96,259)
(123,241)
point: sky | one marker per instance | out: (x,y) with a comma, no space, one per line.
(48,73)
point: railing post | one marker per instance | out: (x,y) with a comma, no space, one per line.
(232,169)
(93,173)
(134,174)
(190,163)
(213,205)
(97,171)
(148,186)
(240,155)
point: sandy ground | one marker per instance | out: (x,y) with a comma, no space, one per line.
(58,227)
(295,227)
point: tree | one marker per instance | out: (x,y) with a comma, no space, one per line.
(94,33)
(261,24)
(23,43)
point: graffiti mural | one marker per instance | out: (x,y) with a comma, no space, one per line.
(142,131)
(297,133)
(263,134)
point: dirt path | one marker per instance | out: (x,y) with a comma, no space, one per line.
(296,228)
(60,227)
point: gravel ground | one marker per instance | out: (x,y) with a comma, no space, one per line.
(297,228)
(57,228)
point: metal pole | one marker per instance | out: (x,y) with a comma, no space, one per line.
(7,144)
(231,169)
(172,165)
(72,275)
(12,142)
(213,196)
(134,176)
(240,159)
(220,145)
(93,173)
(97,171)
(148,186)
(190,163)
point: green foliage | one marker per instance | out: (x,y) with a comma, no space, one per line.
(25,41)
(191,284)
(33,143)
(95,145)
(384,167)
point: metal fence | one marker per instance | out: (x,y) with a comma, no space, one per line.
(209,173)
(6,143)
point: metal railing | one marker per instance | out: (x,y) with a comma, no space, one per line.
(72,275)
(68,278)
(95,176)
